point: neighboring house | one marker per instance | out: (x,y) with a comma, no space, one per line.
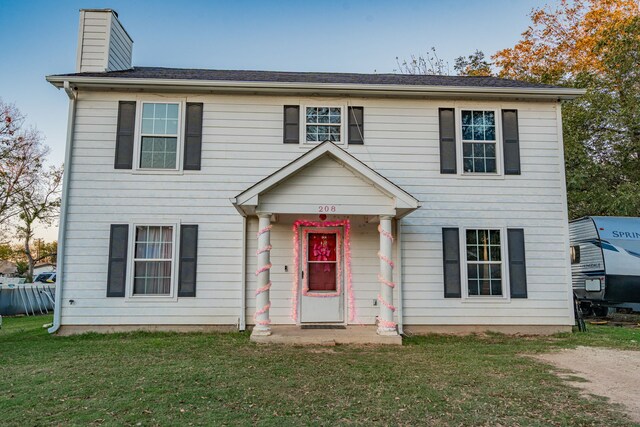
(225,199)
(44,267)
(7,268)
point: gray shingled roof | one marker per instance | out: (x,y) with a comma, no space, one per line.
(310,77)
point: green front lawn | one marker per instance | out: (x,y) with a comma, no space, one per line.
(214,379)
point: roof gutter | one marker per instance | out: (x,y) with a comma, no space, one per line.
(57,308)
(317,88)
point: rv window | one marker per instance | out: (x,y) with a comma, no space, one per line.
(575,254)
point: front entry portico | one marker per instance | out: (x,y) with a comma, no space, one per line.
(322,193)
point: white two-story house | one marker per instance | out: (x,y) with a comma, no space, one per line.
(212,199)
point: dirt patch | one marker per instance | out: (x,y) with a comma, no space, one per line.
(610,373)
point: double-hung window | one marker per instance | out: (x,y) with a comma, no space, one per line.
(323,124)
(479,141)
(159,135)
(484,262)
(153,260)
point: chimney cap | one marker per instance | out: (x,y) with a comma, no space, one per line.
(100,10)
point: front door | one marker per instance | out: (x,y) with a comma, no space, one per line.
(321,274)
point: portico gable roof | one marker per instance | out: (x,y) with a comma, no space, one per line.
(402,203)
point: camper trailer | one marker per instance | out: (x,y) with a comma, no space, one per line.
(605,263)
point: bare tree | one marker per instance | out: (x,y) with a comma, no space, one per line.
(38,204)
(424,64)
(21,160)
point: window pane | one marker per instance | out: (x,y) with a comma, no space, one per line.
(312,115)
(472,253)
(472,271)
(496,271)
(478,165)
(161,111)
(472,237)
(172,127)
(494,237)
(467,133)
(490,150)
(478,133)
(147,111)
(489,118)
(474,287)
(496,287)
(468,165)
(478,118)
(495,253)
(466,118)
(147,125)
(485,287)
(489,133)
(172,111)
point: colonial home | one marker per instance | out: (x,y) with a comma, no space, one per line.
(210,199)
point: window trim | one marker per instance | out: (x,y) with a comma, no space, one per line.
(137,147)
(499,173)
(303,123)
(504,271)
(173,294)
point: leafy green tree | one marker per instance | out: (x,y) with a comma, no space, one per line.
(473,65)
(594,45)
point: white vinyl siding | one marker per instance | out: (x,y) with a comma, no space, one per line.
(242,144)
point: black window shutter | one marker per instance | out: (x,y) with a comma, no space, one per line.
(291,124)
(193,136)
(125,134)
(451,261)
(511,142)
(118,246)
(356,125)
(517,264)
(188,261)
(448,161)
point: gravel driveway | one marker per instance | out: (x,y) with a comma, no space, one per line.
(610,373)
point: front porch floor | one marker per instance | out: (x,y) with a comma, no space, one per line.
(353,334)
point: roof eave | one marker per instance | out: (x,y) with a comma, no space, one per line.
(315,88)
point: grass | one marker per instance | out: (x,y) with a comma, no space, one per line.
(223,379)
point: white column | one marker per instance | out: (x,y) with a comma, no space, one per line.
(263,301)
(386,325)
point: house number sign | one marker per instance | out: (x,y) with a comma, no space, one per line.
(326,208)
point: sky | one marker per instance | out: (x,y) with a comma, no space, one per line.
(40,38)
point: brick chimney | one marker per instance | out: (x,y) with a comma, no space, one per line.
(103,43)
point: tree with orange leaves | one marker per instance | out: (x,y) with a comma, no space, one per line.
(595,45)
(561,43)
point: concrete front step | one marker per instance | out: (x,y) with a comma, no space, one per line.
(294,335)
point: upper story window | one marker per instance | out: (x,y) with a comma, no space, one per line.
(484,262)
(479,141)
(159,135)
(322,124)
(153,260)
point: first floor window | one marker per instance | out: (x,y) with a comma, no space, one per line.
(484,262)
(479,141)
(153,260)
(322,124)
(159,135)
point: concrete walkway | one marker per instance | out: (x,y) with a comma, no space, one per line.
(294,335)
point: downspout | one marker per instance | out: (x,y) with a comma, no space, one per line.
(57,308)
(243,283)
(400,270)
